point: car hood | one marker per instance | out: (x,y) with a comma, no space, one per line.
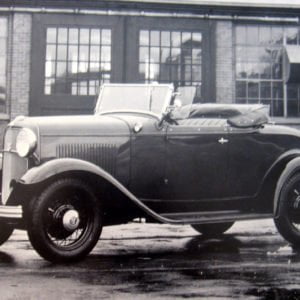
(74,125)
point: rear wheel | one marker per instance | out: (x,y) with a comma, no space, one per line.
(65,221)
(288,221)
(212,229)
(5,232)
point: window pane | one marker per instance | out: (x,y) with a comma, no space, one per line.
(241,89)
(197,39)
(276,71)
(265,71)
(50,69)
(95,53)
(105,53)
(155,38)
(277,108)
(264,35)
(291,35)
(3,27)
(186,38)
(61,52)
(73,35)
(253,90)
(265,89)
(176,41)
(144,54)
(61,69)
(241,71)
(197,57)
(51,52)
(165,55)
(84,36)
(144,38)
(62,35)
(252,35)
(106,37)
(95,36)
(176,55)
(240,34)
(83,53)
(51,35)
(197,73)
(277,90)
(73,53)
(165,38)
(277,35)
(154,54)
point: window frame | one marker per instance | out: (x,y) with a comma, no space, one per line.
(41,104)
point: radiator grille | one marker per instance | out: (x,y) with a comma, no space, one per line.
(103,155)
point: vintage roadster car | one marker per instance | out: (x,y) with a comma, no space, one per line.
(141,156)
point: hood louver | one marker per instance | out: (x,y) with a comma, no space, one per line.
(102,155)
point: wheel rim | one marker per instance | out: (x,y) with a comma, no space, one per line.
(68,218)
(293,212)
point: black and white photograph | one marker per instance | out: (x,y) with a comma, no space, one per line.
(149,149)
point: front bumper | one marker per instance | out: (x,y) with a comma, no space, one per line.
(11,212)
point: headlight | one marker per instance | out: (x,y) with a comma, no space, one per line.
(26,142)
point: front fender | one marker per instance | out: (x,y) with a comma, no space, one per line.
(291,168)
(57,166)
(61,165)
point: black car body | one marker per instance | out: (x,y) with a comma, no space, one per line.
(140,156)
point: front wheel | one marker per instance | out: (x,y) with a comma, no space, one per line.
(288,220)
(65,221)
(5,232)
(213,229)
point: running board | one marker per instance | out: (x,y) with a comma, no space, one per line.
(213,217)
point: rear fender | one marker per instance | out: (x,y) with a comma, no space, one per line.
(58,166)
(291,168)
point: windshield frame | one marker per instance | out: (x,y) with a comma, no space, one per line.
(165,102)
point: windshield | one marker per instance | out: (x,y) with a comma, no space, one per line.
(153,98)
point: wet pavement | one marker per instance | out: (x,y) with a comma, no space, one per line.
(142,261)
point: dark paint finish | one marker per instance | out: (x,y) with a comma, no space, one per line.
(252,152)
(194,167)
(197,162)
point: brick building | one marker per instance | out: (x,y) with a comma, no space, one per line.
(55,54)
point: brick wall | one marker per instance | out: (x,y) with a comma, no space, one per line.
(20,66)
(225,86)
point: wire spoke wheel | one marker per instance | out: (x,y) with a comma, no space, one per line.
(288,220)
(66,221)
(293,207)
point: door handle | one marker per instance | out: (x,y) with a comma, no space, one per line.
(222,141)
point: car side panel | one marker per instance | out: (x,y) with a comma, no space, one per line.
(196,162)
(252,152)
(148,158)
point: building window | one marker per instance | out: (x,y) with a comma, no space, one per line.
(3,60)
(259,78)
(77,60)
(171,56)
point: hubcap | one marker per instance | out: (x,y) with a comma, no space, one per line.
(71,220)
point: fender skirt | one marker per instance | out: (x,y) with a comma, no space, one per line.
(54,167)
(291,168)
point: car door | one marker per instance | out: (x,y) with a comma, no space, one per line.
(148,157)
(196,164)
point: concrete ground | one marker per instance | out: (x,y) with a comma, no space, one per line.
(143,261)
